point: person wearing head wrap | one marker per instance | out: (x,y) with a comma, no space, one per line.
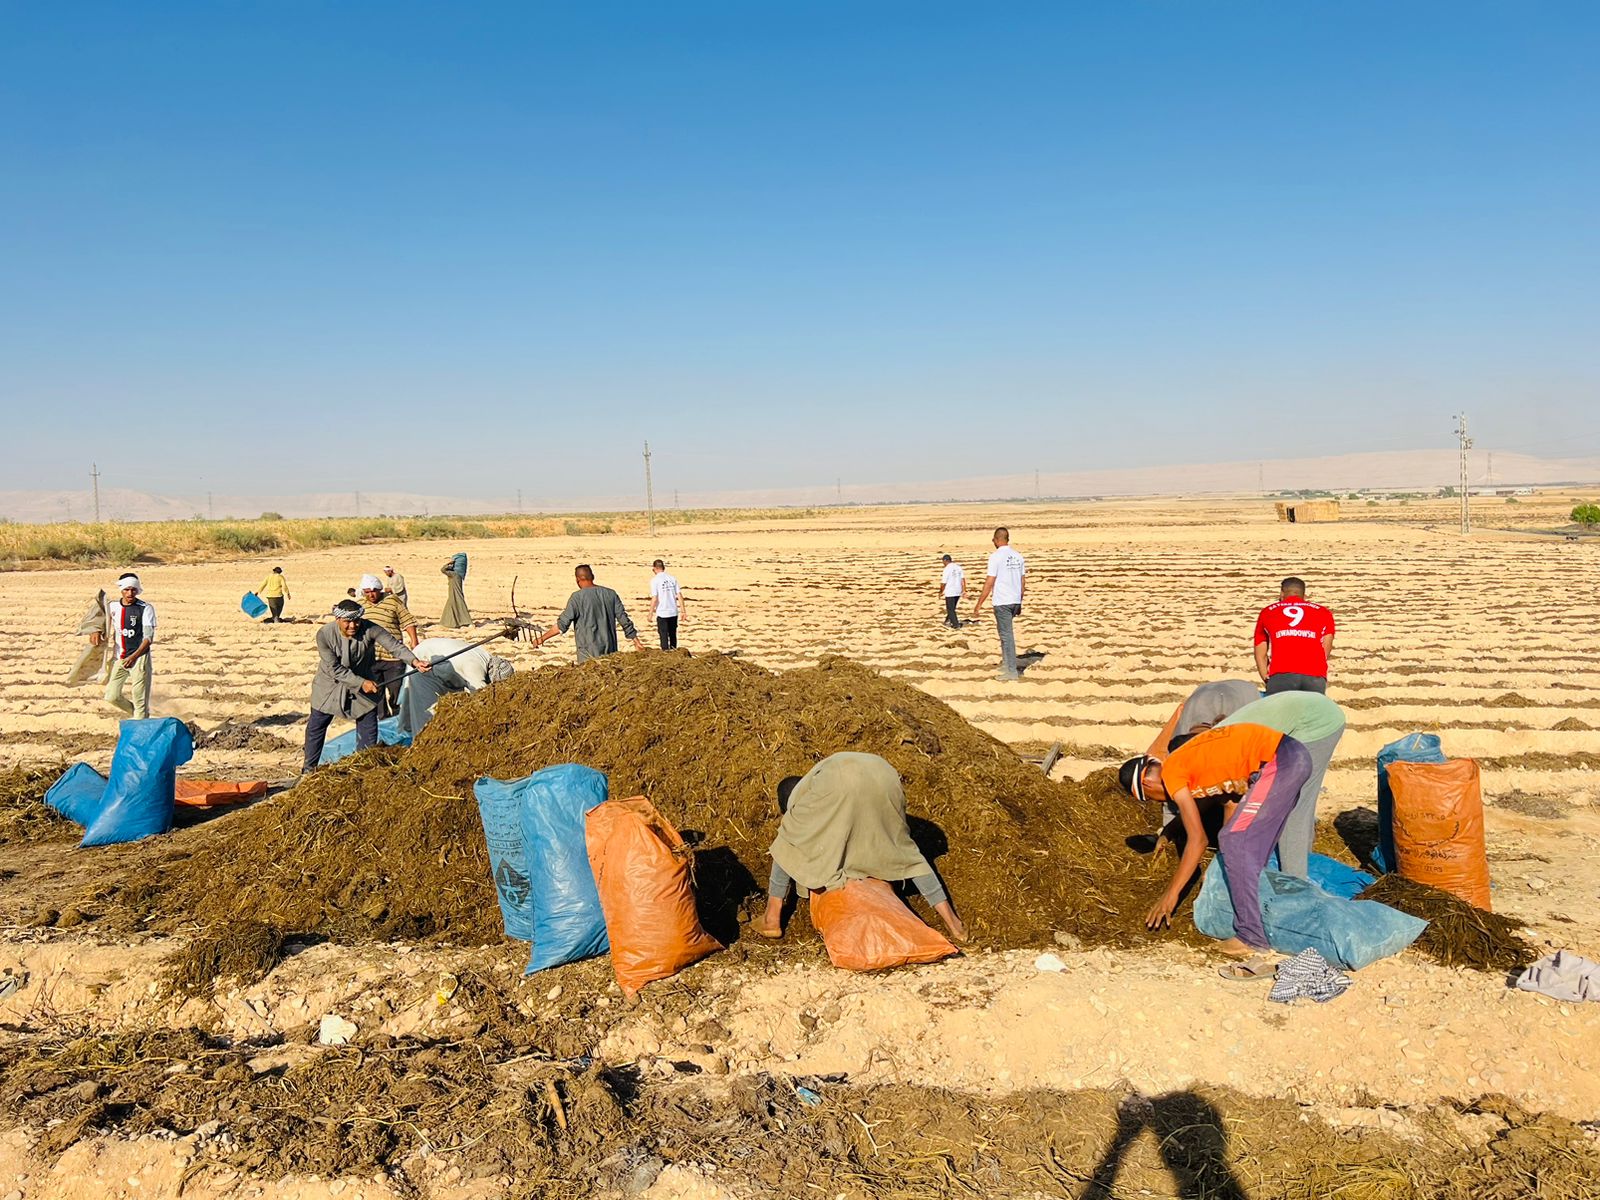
(396,583)
(390,614)
(131,629)
(468,668)
(456,614)
(346,683)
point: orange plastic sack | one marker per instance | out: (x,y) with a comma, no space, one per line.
(642,870)
(866,927)
(215,793)
(1438,827)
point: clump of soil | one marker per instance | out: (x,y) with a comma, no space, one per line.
(1458,934)
(1572,725)
(388,843)
(24,816)
(237,735)
(243,951)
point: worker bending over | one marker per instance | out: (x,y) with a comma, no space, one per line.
(846,819)
(464,668)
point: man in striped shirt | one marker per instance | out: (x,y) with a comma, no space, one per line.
(390,614)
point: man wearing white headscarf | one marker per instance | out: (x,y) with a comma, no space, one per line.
(131,627)
(390,614)
(469,669)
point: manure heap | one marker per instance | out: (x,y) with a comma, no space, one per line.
(388,843)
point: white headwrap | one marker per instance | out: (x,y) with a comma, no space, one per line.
(370,583)
(130,580)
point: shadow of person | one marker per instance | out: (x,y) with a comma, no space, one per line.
(721,886)
(930,839)
(1189,1137)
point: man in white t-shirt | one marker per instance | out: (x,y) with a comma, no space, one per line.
(666,601)
(1007,577)
(952,583)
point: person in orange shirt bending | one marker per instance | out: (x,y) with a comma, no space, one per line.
(1256,771)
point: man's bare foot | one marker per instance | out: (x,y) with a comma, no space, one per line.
(1235,948)
(766,930)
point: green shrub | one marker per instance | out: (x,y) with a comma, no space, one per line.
(1587,515)
(434,529)
(243,541)
(270,516)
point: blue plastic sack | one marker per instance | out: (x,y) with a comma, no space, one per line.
(139,790)
(1331,875)
(568,923)
(500,810)
(343,746)
(1414,747)
(253,605)
(1298,915)
(79,794)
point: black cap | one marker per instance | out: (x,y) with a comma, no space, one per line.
(1131,776)
(944,558)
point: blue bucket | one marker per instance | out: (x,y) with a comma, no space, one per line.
(254,606)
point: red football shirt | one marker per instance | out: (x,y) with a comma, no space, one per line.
(1293,630)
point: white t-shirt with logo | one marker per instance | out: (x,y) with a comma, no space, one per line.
(1006,568)
(954,579)
(664,590)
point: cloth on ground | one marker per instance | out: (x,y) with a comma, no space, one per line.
(1564,975)
(1307,976)
(847,820)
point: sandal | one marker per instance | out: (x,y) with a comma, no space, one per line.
(1249,969)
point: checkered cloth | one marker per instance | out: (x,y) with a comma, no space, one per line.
(1307,976)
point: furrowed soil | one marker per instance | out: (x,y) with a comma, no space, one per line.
(160,1004)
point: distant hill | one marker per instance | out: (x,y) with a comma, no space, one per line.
(1390,469)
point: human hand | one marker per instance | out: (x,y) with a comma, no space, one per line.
(369,687)
(1161,911)
(97,639)
(423,665)
(637,644)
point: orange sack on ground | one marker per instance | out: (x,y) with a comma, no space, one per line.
(866,927)
(1438,827)
(642,870)
(217,793)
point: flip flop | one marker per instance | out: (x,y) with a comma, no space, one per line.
(1249,969)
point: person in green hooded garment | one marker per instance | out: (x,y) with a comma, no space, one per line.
(456,614)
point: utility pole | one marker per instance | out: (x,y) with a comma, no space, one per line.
(1466,444)
(519,499)
(1036,483)
(1261,478)
(675,503)
(94,474)
(211,508)
(838,488)
(358,504)
(649,491)
(1491,468)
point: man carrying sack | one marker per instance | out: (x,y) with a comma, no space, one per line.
(346,683)
(131,627)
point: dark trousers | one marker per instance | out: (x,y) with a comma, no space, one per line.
(317,735)
(275,607)
(950,612)
(667,627)
(1288,681)
(387,673)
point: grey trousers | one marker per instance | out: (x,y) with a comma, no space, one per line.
(1300,830)
(1288,681)
(1004,614)
(779,883)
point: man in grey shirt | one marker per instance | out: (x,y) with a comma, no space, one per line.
(346,683)
(594,612)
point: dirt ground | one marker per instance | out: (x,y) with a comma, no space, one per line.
(1129,605)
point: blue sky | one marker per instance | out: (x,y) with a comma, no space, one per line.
(469,248)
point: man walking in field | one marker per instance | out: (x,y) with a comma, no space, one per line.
(596,612)
(390,614)
(131,626)
(1293,640)
(666,602)
(952,583)
(396,583)
(1005,581)
(274,590)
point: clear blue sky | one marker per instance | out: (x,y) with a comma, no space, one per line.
(464,248)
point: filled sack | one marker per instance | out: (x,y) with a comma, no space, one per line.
(866,927)
(1438,827)
(142,783)
(78,794)
(568,922)
(1298,915)
(500,811)
(1414,747)
(644,874)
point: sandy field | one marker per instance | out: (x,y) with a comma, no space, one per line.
(1487,640)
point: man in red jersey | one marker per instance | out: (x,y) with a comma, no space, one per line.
(1293,640)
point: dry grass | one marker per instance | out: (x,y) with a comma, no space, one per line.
(117,543)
